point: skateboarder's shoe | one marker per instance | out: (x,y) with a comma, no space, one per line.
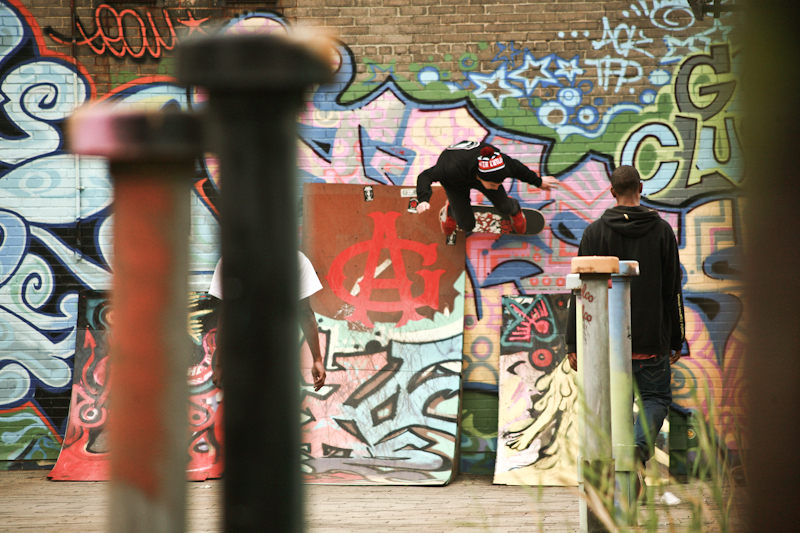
(519,223)
(447,222)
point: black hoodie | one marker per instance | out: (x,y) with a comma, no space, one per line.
(639,234)
(457,170)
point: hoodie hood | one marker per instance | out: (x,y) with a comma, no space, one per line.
(630,221)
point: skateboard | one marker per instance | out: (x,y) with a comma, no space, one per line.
(489,220)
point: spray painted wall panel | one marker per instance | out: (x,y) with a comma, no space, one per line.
(84,455)
(391,312)
(538,432)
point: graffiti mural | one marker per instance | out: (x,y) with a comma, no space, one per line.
(391,311)
(538,431)
(481,336)
(84,455)
(649,86)
(57,230)
(38,300)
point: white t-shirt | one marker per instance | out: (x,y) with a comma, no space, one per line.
(309,282)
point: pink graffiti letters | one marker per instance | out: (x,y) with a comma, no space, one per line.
(384,236)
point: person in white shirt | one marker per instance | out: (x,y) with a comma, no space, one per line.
(309,284)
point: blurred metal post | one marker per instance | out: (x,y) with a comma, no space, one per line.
(255,86)
(770,70)
(598,464)
(621,382)
(152,160)
(573,283)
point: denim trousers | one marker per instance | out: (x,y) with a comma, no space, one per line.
(652,378)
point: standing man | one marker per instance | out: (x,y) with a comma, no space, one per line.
(632,232)
(476,165)
(309,284)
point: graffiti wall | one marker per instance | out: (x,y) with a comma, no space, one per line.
(392,313)
(84,454)
(570,93)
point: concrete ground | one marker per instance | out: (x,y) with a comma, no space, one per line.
(28,501)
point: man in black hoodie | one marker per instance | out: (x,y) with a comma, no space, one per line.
(471,165)
(635,233)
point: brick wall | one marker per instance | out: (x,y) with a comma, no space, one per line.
(572,89)
(412,33)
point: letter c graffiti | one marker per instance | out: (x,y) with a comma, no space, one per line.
(666,169)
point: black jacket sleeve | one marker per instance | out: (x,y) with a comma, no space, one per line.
(569,337)
(424,181)
(520,172)
(672,294)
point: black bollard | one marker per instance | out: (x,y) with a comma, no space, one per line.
(255,86)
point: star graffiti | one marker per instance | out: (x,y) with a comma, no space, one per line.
(192,23)
(379,73)
(495,86)
(534,73)
(569,69)
(509,49)
(698,42)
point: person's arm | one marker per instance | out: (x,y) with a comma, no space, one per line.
(570,338)
(309,285)
(424,190)
(308,323)
(216,376)
(215,291)
(674,295)
(522,173)
(572,319)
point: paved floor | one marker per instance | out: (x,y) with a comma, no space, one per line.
(29,501)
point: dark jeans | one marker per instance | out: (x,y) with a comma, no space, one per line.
(652,378)
(461,207)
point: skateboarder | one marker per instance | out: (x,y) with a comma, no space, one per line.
(476,165)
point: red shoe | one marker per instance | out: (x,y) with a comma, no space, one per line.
(519,223)
(447,222)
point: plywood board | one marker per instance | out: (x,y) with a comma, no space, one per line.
(537,421)
(84,453)
(391,315)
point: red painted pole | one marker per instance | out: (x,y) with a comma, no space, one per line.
(151,161)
